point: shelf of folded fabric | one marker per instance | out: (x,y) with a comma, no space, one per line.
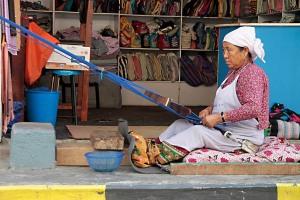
(38,11)
(66,12)
(109,64)
(149,49)
(150,16)
(75,12)
(153,8)
(215,20)
(42,19)
(297,10)
(248,19)
(107,61)
(200,50)
(38,6)
(270,14)
(65,19)
(106,14)
(269,17)
(71,26)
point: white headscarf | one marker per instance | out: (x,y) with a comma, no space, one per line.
(245,37)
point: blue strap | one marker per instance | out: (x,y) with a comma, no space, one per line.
(135,88)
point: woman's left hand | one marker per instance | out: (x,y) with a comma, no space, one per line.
(211,120)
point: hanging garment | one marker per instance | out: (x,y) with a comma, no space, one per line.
(7,94)
(10,39)
(37,53)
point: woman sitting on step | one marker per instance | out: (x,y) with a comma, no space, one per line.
(241,105)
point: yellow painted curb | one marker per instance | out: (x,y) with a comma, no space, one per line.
(53,192)
(288,191)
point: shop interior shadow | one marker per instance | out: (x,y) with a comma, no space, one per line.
(135,115)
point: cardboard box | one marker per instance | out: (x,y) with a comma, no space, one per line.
(62,61)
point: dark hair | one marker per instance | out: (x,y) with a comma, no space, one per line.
(242,48)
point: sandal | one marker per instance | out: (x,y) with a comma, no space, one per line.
(126,27)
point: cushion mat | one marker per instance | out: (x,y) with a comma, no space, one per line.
(273,149)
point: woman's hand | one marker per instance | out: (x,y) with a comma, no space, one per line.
(212,120)
(203,113)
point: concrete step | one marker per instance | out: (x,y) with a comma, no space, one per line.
(71,152)
(74,182)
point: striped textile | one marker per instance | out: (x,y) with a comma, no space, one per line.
(149,67)
(143,64)
(174,67)
(130,68)
(288,130)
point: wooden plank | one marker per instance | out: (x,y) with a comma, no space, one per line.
(235,168)
(52,65)
(83,82)
(85,94)
(18,65)
(17,9)
(71,153)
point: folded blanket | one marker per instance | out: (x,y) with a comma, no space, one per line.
(273,149)
(283,129)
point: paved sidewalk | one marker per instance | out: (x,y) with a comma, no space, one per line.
(71,183)
(127,184)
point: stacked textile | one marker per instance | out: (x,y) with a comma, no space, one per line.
(148,66)
(151,7)
(155,33)
(200,36)
(104,48)
(285,123)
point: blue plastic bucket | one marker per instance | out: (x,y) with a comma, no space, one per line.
(42,105)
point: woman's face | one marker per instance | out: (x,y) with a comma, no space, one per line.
(234,56)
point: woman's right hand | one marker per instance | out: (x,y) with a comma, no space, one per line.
(205,112)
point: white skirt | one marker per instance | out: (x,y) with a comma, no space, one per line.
(183,134)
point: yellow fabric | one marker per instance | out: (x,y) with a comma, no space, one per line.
(144,153)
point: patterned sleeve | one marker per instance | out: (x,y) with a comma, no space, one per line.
(250,92)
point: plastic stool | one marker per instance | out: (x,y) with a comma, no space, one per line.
(91,84)
(56,74)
